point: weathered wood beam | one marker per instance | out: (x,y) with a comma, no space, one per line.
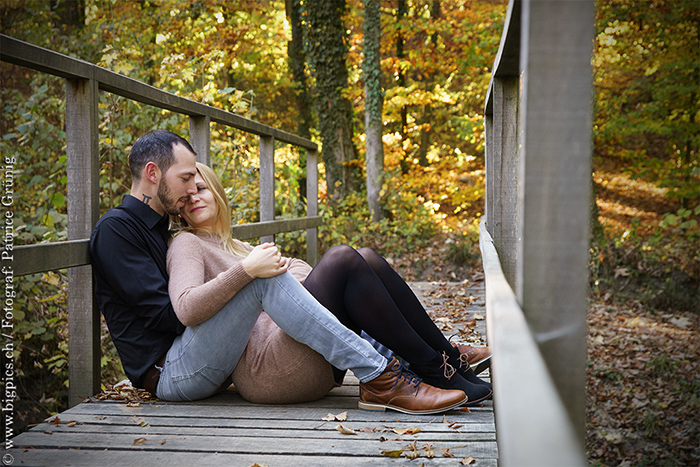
(531,419)
(267,182)
(555,171)
(312,206)
(82,96)
(37,58)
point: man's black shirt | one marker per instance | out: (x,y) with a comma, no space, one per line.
(128,252)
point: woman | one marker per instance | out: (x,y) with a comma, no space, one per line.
(358,287)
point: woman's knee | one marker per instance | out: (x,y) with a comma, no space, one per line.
(344,254)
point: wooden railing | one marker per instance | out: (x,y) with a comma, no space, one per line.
(534,239)
(84,81)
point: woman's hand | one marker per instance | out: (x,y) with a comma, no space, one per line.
(265,261)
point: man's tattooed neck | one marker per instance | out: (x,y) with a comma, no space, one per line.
(147,199)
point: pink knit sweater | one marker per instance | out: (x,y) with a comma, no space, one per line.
(204,276)
(274,368)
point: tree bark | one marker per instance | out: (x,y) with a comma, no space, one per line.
(374,103)
(326,50)
(297,62)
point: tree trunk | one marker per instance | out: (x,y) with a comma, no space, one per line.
(69,14)
(297,61)
(374,103)
(326,50)
(401,11)
(427,111)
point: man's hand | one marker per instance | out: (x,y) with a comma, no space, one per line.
(265,261)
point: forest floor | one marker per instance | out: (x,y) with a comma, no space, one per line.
(643,375)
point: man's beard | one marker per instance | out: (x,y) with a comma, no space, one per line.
(166,199)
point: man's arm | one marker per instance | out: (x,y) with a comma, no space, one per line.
(129,270)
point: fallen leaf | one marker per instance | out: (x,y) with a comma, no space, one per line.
(367,430)
(345,430)
(407,431)
(140,441)
(621,272)
(391,453)
(411,454)
(100,418)
(71,424)
(133,404)
(446,453)
(467,460)
(681,322)
(162,442)
(341,417)
(56,421)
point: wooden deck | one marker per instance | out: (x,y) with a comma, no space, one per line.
(226,430)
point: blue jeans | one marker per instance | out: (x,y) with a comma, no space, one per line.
(204,356)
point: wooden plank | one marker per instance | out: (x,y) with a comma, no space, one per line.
(552,282)
(83,211)
(288,431)
(529,434)
(30,259)
(37,58)
(200,138)
(468,424)
(47,61)
(257,229)
(106,458)
(507,62)
(267,183)
(504,162)
(348,446)
(312,205)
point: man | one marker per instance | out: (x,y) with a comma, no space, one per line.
(128,251)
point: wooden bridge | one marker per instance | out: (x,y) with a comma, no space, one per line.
(534,242)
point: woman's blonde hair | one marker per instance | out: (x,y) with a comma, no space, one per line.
(222,226)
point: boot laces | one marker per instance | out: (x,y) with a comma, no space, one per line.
(449,369)
(463,357)
(407,375)
(464,361)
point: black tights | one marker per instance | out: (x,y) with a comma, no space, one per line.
(366,294)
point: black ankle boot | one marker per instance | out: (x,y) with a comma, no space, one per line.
(439,373)
(454,358)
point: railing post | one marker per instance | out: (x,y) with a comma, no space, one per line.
(312,205)
(200,138)
(82,146)
(556,112)
(504,162)
(267,182)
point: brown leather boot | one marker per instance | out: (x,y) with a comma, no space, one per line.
(478,358)
(400,389)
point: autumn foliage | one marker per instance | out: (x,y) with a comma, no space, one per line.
(436,57)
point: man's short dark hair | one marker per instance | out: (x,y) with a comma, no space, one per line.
(155,146)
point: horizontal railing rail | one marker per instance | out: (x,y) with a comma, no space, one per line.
(534,239)
(42,257)
(30,56)
(84,81)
